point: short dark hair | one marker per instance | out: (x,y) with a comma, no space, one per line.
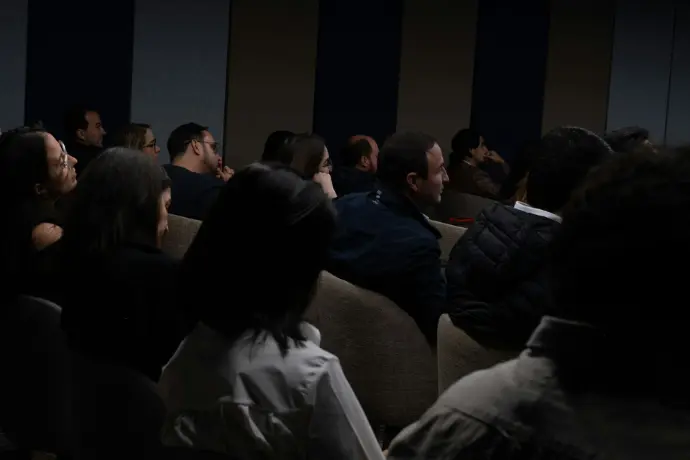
(564,157)
(116,201)
(132,136)
(75,119)
(272,214)
(353,152)
(463,141)
(404,153)
(305,154)
(181,136)
(273,145)
(628,139)
(610,265)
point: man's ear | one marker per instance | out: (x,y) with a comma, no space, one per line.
(412,179)
(196,147)
(81,134)
(364,162)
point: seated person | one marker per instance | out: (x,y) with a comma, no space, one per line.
(468,157)
(35,174)
(630,139)
(309,157)
(384,243)
(357,170)
(107,272)
(604,377)
(497,287)
(251,378)
(84,134)
(196,170)
(138,136)
(274,145)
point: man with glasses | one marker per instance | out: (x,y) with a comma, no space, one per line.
(196,170)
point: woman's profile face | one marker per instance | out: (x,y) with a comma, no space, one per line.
(150,144)
(326,166)
(62,177)
(163,206)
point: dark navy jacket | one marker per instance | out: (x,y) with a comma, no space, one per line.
(348,180)
(385,244)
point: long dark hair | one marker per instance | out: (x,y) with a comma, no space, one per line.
(305,153)
(23,166)
(115,202)
(270,229)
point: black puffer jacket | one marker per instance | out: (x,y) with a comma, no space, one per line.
(497,283)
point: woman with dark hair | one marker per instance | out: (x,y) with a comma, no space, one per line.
(274,145)
(251,378)
(35,172)
(114,284)
(467,160)
(137,136)
(307,154)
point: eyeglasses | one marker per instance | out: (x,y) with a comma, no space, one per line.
(64,162)
(151,145)
(215,146)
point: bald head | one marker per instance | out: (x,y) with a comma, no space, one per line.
(361,152)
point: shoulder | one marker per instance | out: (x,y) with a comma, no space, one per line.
(44,234)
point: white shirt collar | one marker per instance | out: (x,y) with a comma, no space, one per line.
(524,207)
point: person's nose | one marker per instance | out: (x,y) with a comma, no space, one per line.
(158,149)
(72,161)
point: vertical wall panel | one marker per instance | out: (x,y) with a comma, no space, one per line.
(13,23)
(436,67)
(357,69)
(271,76)
(678,122)
(180,61)
(79,53)
(641,65)
(578,69)
(509,72)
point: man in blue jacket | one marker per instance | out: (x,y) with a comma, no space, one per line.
(385,243)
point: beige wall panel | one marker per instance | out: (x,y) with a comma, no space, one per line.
(437,66)
(271,73)
(578,69)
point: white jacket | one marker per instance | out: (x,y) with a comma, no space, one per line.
(246,399)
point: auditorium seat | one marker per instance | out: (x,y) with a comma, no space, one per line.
(387,360)
(450,234)
(459,208)
(460,355)
(33,356)
(181,233)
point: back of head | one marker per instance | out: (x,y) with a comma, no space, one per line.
(404,153)
(563,158)
(75,119)
(305,153)
(354,150)
(274,144)
(182,136)
(23,163)
(629,139)
(117,201)
(131,136)
(463,141)
(615,268)
(271,230)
